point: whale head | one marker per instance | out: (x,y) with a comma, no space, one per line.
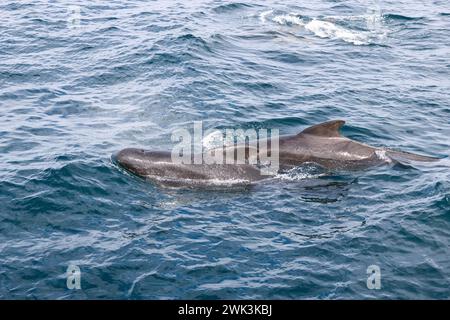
(132,159)
(144,162)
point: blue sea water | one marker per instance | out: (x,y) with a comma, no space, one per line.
(81,80)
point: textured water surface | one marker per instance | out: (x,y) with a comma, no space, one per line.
(133,71)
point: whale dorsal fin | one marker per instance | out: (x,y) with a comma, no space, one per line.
(326,129)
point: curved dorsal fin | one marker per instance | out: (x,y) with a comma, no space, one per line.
(325,129)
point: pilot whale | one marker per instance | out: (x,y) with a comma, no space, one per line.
(321,144)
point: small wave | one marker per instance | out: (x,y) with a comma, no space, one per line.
(393,16)
(193,42)
(231,6)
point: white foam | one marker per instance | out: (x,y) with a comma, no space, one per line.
(297,176)
(330,26)
(351,156)
(288,18)
(382,155)
(326,29)
(213,140)
(306,171)
(264,15)
(179,182)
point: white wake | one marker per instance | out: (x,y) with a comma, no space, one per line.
(335,27)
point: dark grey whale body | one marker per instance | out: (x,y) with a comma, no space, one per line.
(158,167)
(321,144)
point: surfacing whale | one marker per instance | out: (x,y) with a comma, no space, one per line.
(321,144)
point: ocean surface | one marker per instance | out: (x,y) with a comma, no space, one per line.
(81,80)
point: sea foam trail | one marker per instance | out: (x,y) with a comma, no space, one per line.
(328,27)
(325,29)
